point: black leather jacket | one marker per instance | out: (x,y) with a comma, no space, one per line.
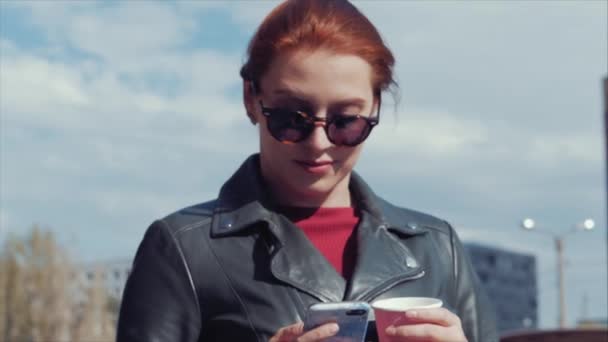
(234,270)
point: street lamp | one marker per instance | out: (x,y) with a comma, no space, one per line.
(588,224)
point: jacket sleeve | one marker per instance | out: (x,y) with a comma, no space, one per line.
(474,308)
(159,302)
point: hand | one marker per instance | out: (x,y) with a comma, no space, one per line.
(295,333)
(428,325)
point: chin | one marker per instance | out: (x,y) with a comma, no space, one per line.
(319,188)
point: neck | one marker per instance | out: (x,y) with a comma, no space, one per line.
(338,197)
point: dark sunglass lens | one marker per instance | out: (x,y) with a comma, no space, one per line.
(289,126)
(349,131)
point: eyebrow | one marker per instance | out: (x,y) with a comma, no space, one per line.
(355,101)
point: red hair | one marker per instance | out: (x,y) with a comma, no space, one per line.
(336,25)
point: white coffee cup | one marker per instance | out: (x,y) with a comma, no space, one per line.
(391,311)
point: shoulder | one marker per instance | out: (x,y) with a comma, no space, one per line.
(197,217)
(412,220)
(403,220)
(182,238)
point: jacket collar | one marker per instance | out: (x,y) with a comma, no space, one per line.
(243,204)
(244,200)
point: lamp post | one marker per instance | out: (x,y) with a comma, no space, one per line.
(588,224)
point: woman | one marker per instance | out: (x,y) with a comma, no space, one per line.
(295,225)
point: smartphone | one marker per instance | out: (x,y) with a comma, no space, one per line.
(351,317)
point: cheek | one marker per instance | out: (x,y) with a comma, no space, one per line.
(272,148)
(350,156)
(267,142)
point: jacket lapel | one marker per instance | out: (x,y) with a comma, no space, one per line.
(382,261)
(383,258)
(243,203)
(298,263)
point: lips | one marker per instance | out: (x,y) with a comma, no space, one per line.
(315,166)
(314,163)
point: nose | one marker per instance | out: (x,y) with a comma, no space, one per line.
(318,138)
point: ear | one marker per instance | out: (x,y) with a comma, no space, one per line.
(249,100)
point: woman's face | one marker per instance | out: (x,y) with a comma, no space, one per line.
(313,172)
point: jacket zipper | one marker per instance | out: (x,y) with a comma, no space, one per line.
(390,285)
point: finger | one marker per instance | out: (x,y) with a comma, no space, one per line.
(440,316)
(421,332)
(288,333)
(319,333)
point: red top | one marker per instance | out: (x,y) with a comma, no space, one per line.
(331,231)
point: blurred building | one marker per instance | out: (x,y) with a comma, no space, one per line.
(111,274)
(509,279)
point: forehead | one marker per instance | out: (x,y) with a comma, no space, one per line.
(320,76)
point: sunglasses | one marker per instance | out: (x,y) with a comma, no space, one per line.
(292,126)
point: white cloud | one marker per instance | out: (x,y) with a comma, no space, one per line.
(126,40)
(249,14)
(23,78)
(144,204)
(428,132)
(106,132)
(109,30)
(187,6)
(4,223)
(575,150)
(57,164)
(7,48)
(88,95)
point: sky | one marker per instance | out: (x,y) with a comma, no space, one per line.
(114,114)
